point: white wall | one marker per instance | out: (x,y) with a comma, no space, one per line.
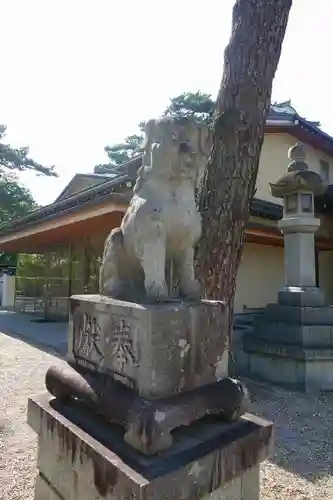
(325,259)
(260,276)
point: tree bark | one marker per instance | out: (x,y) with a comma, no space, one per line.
(225,195)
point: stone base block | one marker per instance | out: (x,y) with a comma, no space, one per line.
(304,315)
(244,487)
(157,350)
(298,334)
(291,366)
(301,296)
(291,346)
(44,490)
(81,457)
(148,424)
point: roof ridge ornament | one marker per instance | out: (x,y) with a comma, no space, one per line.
(283,107)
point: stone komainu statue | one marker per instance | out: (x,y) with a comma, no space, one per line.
(161,224)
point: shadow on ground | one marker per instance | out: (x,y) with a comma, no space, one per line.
(49,337)
(303,428)
(58,351)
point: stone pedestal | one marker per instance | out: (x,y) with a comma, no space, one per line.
(149,368)
(301,296)
(80,457)
(291,346)
(157,350)
(145,408)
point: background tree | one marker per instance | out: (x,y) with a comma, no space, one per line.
(31,265)
(15,199)
(17,159)
(119,153)
(250,62)
(195,104)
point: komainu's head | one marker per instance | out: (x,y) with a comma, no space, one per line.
(177,146)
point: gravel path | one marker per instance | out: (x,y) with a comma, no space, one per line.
(302,465)
(22,373)
(301,469)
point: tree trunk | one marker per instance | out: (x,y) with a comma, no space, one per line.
(250,62)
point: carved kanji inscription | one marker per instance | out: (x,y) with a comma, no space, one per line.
(122,353)
(87,339)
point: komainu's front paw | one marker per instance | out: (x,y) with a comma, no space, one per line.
(157,292)
(114,288)
(190,290)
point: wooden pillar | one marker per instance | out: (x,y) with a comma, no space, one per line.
(46,284)
(86,266)
(70,269)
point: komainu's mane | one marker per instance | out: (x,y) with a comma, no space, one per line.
(155,130)
(141,177)
(147,171)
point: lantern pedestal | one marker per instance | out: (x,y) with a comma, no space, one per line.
(292,346)
(301,296)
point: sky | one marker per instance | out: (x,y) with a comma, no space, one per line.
(78,75)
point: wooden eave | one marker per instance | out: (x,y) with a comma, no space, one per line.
(70,227)
(107,190)
(87,198)
(306,134)
(96,222)
(77,220)
(271,236)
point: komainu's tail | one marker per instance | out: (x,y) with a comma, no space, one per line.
(110,279)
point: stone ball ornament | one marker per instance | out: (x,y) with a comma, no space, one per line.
(298,177)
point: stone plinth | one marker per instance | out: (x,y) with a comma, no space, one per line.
(301,296)
(148,423)
(82,458)
(157,350)
(291,346)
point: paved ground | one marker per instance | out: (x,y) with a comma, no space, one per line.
(52,336)
(301,468)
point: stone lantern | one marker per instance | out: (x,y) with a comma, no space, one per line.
(297,188)
(291,342)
